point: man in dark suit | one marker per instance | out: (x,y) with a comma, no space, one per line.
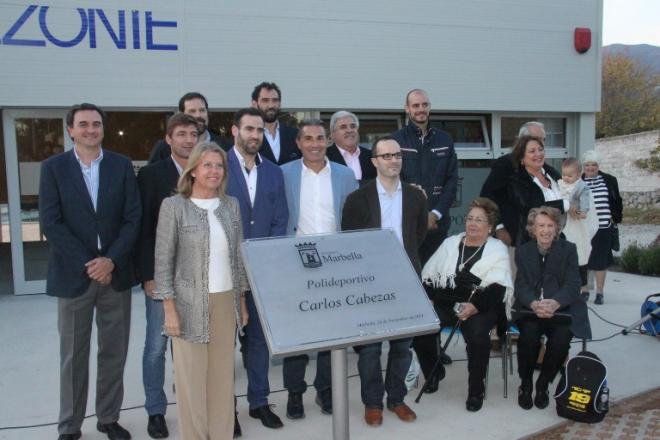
(158,181)
(89,207)
(258,185)
(387,203)
(346,150)
(495,185)
(279,145)
(195,105)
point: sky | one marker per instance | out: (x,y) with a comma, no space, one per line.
(631,22)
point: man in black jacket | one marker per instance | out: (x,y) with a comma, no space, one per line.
(156,182)
(279,145)
(346,149)
(195,105)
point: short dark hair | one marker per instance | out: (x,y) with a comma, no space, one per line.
(267,86)
(179,119)
(246,111)
(489,207)
(189,97)
(374,146)
(520,148)
(310,123)
(84,106)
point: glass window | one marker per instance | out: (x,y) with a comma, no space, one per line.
(466,131)
(555,130)
(134,133)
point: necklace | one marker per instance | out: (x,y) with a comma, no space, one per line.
(463,263)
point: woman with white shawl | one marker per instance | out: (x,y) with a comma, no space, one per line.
(472,269)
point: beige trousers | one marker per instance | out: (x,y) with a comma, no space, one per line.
(204,376)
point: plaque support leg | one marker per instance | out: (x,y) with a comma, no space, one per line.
(339,394)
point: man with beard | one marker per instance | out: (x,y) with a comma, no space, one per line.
(258,185)
(346,149)
(429,160)
(195,105)
(156,182)
(279,145)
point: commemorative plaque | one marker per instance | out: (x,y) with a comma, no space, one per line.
(330,291)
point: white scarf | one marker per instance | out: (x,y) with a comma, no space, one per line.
(494,266)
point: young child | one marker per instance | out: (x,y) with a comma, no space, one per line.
(582,221)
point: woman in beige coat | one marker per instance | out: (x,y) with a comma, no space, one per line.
(200,277)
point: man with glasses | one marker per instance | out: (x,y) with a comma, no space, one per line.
(346,149)
(495,185)
(387,203)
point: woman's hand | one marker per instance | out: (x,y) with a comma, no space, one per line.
(573,212)
(244,312)
(468,310)
(172,324)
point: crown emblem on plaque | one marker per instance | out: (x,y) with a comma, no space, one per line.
(309,255)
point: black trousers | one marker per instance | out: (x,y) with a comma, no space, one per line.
(558,342)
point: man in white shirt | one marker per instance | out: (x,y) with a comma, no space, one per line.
(387,203)
(315,190)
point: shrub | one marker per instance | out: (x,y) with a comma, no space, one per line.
(630,258)
(649,261)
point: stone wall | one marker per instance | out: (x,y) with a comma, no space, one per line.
(639,188)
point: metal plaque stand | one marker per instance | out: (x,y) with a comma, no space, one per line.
(339,368)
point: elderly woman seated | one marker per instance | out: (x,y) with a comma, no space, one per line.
(472,269)
(547,302)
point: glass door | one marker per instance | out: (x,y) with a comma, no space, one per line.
(31,136)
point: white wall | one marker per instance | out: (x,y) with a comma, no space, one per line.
(483,55)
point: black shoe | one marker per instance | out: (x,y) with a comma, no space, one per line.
(439,374)
(237,427)
(157,428)
(599,299)
(74,436)
(445,359)
(525,398)
(585,296)
(294,407)
(114,431)
(268,418)
(542,399)
(324,400)
(474,403)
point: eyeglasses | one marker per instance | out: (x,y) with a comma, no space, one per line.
(390,156)
(477,220)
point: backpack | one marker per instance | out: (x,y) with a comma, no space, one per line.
(582,393)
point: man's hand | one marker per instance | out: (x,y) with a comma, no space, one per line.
(244,311)
(468,310)
(99,268)
(504,235)
(433,221)
(149,287)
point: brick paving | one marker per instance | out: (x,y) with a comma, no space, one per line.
(634,418)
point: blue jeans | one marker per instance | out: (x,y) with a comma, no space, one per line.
(153,358)
(258,359)
(371,378)
(294,373)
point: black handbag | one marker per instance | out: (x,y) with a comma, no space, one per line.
(616,245)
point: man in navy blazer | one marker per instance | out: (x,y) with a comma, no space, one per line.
(258,185)
(89,207)
(316,190)
(279,144)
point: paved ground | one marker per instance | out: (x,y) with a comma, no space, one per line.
(29,378)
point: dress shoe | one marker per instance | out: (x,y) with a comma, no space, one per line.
(294,406)
(373,416)
(156,427)
(268,418)
(74,436)
(113,430)
(525,398)
(585,296)
(445,359)
(403,412)
(237,427)
(433,383)
(474,403)
(324,400)
(542,399)
(599,299)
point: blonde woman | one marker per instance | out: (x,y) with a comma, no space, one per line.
(201,279)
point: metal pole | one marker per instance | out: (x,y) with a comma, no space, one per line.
(339,368)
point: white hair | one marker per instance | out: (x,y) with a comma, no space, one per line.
(591,156)
(342,114)
(524,130)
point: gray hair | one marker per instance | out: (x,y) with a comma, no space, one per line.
(553,213)
(524,130)
(591,156)
(342,114)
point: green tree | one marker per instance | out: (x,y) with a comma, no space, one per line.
(630,97)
